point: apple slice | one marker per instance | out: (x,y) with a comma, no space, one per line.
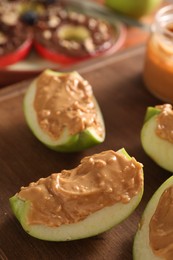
(133,8)
(159,149)
(66,141)
(142,249)
(101,217)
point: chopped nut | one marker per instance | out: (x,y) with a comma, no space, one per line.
(69,44)
(81,18)
(103,27)
(100,163)
(46,113)
(74,45)
(92,23)
(73,16)
(47,34)
(112,159)
(64,43)
(3,38)
(63,14)
(44,123)
(89,45)
(98,36)
(54,22)
(9,19)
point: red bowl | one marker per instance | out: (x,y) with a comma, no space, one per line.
(67,60)
(16,55)
(55,56)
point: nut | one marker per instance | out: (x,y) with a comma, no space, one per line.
(98,37)
(74,45)
(9,19)
(81,18)
(73,16)
(54,21)
(47,34)
(63,14)
(3,38)
(103,28)
(92,23)
(89,45)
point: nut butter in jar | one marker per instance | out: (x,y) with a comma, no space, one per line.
(158,67)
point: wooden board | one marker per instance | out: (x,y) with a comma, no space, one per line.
(118,87)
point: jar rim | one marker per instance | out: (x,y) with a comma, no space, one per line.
(163,10)
(163,18)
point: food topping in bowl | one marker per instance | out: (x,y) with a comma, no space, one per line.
(74,34)
(13,33)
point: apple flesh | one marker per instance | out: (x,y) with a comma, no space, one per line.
(67,142)
(141,246)
(160,150)
(134,8)
(96,223)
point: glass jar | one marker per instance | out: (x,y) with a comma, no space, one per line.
(158,67)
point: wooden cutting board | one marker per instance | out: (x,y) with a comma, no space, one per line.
(118,87)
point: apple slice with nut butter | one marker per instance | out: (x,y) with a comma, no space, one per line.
(157,135)
(154,238)
(62,112)
(98,194)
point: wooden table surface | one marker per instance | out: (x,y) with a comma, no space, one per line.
(118,87)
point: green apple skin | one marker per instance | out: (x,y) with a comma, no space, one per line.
(67,142)
(158,149)
(96,223)
(134,8)
(141,246)
(151,111)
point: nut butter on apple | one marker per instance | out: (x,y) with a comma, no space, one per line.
(87,200)
(62,112)
(157,135)
(154,238)
(65,100)
(161,226)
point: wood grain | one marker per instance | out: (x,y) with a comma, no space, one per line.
(118,87)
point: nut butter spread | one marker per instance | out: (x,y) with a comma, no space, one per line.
(65,102)
(70,196)
(161,226)
(165,123)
